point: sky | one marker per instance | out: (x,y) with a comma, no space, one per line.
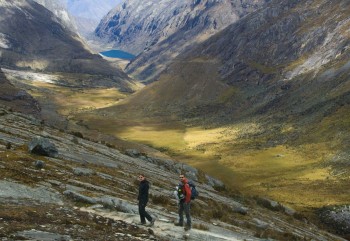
(91,8)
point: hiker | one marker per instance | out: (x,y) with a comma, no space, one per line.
(143,200)
(184,203)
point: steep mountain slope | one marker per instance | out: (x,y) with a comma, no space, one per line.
(265,102)
(59,8)
(32,37)
(15,98)
(81,189)
(269,57)
(166,28)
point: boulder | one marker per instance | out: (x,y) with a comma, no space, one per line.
(39,164)
(214,182)
(132,152)
(337,217)
(42,146)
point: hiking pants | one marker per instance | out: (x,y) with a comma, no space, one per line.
(185,207)
(143,214)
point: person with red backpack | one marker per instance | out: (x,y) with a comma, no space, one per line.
(184,203)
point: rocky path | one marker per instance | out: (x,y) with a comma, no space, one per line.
(164,226)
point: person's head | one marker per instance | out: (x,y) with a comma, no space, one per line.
(141,177)
(182,178)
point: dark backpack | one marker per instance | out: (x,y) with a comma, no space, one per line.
(194,192)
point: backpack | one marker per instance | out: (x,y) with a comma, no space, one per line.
(194,192)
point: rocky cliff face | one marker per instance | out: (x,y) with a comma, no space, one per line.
(59,9)
(166,28)
(31,37)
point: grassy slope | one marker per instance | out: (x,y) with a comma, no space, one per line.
(254,155)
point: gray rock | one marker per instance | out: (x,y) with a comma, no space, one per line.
(241,210)
(83,171)
(132,152)
(260,224)
(214,182)
(337,217)
(105,176)
(18,191)
(42,146)
(118,204)
(289,211)
(43,236)
(270,204)
(79,197)
(39,164)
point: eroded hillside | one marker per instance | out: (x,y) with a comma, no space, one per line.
(83,189)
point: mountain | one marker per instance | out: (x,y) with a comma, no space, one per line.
(166,28)
(33,38)
(88,13)
(59,8)
(264,103)
(285,59)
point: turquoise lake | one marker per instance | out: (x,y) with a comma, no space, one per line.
(118,54)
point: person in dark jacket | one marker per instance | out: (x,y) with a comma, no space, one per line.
(185,203)
(143,200)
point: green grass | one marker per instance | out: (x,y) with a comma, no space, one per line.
(293,172)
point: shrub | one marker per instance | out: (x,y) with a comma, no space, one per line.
(200,226)
(162,200)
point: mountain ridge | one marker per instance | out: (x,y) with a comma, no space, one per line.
(165,29)
(35,39)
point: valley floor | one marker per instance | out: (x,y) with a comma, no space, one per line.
(293,175)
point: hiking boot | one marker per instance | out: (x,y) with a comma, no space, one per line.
(179,224)
(152,222)
(141,224)
(187,228)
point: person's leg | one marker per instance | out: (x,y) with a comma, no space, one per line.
(147,216)
(181,211)
(142,213)
(187,208)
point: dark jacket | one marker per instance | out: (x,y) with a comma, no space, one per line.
(143,192)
